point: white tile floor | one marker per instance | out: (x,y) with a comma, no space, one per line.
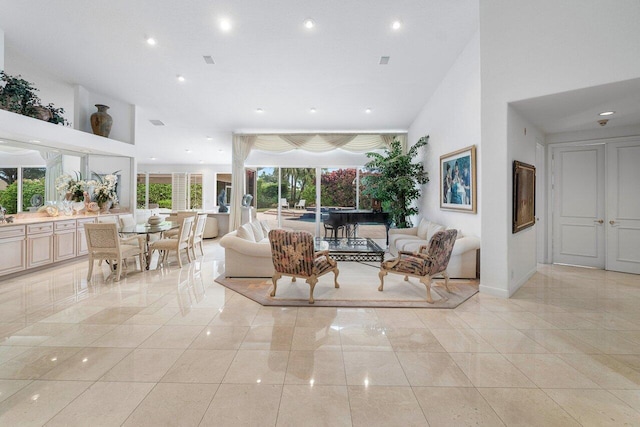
(172,347)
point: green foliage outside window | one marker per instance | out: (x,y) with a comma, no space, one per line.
(9,196)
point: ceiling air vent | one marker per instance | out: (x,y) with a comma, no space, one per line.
(156,122)
(384,60)
(208,59)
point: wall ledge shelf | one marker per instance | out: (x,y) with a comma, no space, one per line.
(16,127)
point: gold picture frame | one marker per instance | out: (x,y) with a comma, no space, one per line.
(458,189)
(524,196)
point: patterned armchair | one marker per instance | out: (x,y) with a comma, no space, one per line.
(293,255)
(421,264)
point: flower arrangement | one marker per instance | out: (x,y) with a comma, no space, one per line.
(105,189)
(72,187)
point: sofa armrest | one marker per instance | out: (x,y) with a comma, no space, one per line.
(413,231)
(466,244)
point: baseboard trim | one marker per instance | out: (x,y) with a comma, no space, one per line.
(496,292)
(513,289)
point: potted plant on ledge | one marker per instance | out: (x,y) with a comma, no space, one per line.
(395,180)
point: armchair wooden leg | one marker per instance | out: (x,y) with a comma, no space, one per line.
(406,278)
(275,279)
(446,280)
(426,280)
(381,276)
(335,276)
(179,258)
(293,279)
(312,284)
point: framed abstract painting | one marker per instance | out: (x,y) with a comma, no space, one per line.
(458,191)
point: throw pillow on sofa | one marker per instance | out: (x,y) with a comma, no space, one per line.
(246,232)
(257,231)
(426,229)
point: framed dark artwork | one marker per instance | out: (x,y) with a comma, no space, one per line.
(524,196)
(458,190)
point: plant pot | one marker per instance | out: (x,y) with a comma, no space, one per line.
(101,121)
(105,206)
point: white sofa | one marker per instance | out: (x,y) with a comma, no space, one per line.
(463,261)
(247,251)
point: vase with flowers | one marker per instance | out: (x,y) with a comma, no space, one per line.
(105,191)
(71,188)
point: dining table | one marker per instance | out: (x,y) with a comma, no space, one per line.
(149,230)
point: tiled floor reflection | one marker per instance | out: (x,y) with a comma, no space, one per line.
(172,347)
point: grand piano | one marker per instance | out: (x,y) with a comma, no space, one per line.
(352,217)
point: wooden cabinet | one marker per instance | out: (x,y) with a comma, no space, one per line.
(39,244)
(12,249)
(81,243)
(64,240)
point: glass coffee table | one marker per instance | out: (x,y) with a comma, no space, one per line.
(350,249)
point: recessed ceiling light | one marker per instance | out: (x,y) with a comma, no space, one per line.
(606,113)
(312,110)
(309,23)
(201,161)
(396,25)
(180,78)
(35,141)
(220,151)
(188,150)
(151,41)
(259,110)
(368,111)
(225,25)
(209,138)
(152,158)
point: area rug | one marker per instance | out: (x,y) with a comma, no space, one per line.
(358,288)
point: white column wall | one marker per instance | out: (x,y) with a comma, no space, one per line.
(1,49)
(451,118)
(531,49)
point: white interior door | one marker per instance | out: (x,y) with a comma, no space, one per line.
(578,210)
(623,207)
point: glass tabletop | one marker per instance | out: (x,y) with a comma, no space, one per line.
(146,228)
(353,244)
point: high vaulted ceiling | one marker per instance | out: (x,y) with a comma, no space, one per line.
(268,60)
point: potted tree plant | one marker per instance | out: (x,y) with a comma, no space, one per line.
(394,179)
(19,96)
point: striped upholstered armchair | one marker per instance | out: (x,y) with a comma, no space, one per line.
(293,255)
(423,264)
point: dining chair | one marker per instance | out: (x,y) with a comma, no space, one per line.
(178,217)
(104,243)
(198,234)
(284,203)
(166,245)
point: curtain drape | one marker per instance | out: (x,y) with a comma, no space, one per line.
(54,170)
(242,145)
(356,143)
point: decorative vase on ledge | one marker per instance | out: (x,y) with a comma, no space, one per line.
(101,121)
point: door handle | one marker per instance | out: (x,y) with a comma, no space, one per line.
(599,221)
(612,222)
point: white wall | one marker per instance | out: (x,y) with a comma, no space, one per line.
(531,49)
(208,178)
(522,137)
(1,49)
(451,118)
(31,158)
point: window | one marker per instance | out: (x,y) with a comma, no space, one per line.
(195,191)
(9,189)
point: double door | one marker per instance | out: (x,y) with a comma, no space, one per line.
(596,212)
